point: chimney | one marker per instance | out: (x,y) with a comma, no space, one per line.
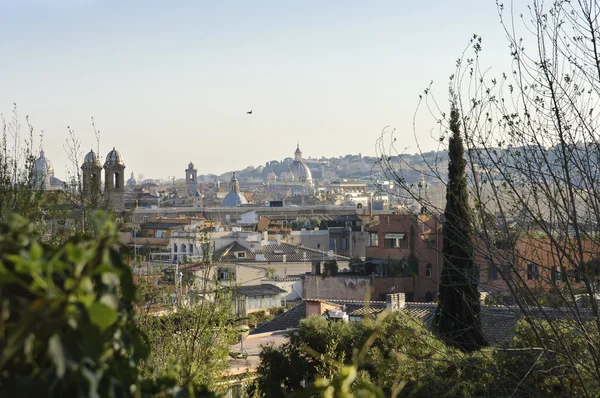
(284,258)
(278,238)
(316,268)
(395,301)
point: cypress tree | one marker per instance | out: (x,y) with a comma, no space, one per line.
(457,317)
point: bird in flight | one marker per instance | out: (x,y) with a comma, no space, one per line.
(249,112)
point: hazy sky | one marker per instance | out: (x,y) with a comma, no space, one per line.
(169,82)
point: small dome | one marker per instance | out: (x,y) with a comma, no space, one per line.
(131,181)
(43,166)
(234,199)
(91,159)
(191,166)
(114,157)
(299,169)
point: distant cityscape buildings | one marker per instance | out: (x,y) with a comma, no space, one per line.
(293,181)
(292,216)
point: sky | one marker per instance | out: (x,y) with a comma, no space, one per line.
(170,82)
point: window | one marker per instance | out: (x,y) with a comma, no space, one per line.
(145,218)
(395,241)
(345,243)
(506,271)
(493,272)
(476,272)
(577,276)
(556,274)
(373,239)
(428,271)
(241,255)
(533,272)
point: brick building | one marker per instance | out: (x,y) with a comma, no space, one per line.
(390,244)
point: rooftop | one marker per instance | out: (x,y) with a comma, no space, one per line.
(288,320)
(272,253)
(162,225)
(259,290)
(498,322)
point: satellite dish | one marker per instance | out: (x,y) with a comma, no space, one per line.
(359,206)
(423,210)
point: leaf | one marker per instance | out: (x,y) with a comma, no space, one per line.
(36,252)
(57,354)
(102,315)
(110,300)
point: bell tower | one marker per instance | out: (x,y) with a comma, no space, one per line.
(191,179)
(91,182)
(114,180)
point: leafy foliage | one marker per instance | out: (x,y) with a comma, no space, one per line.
(190,344)
(19,189)
(68,326)
(392,352)
(395,355)
(259,317)
(330,268)
(540,362)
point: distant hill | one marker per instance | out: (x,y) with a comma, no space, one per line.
(367,167)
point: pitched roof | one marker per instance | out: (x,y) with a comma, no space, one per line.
(258,290)
(228,252)
(498,326)
(288,320)
(273,253)
(161,225)
(283,279)
(498,323)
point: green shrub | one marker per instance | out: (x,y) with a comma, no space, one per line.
(68,326)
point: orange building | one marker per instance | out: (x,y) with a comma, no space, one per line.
(538,263)
(393,238)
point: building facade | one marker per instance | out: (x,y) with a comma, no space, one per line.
(391,243)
